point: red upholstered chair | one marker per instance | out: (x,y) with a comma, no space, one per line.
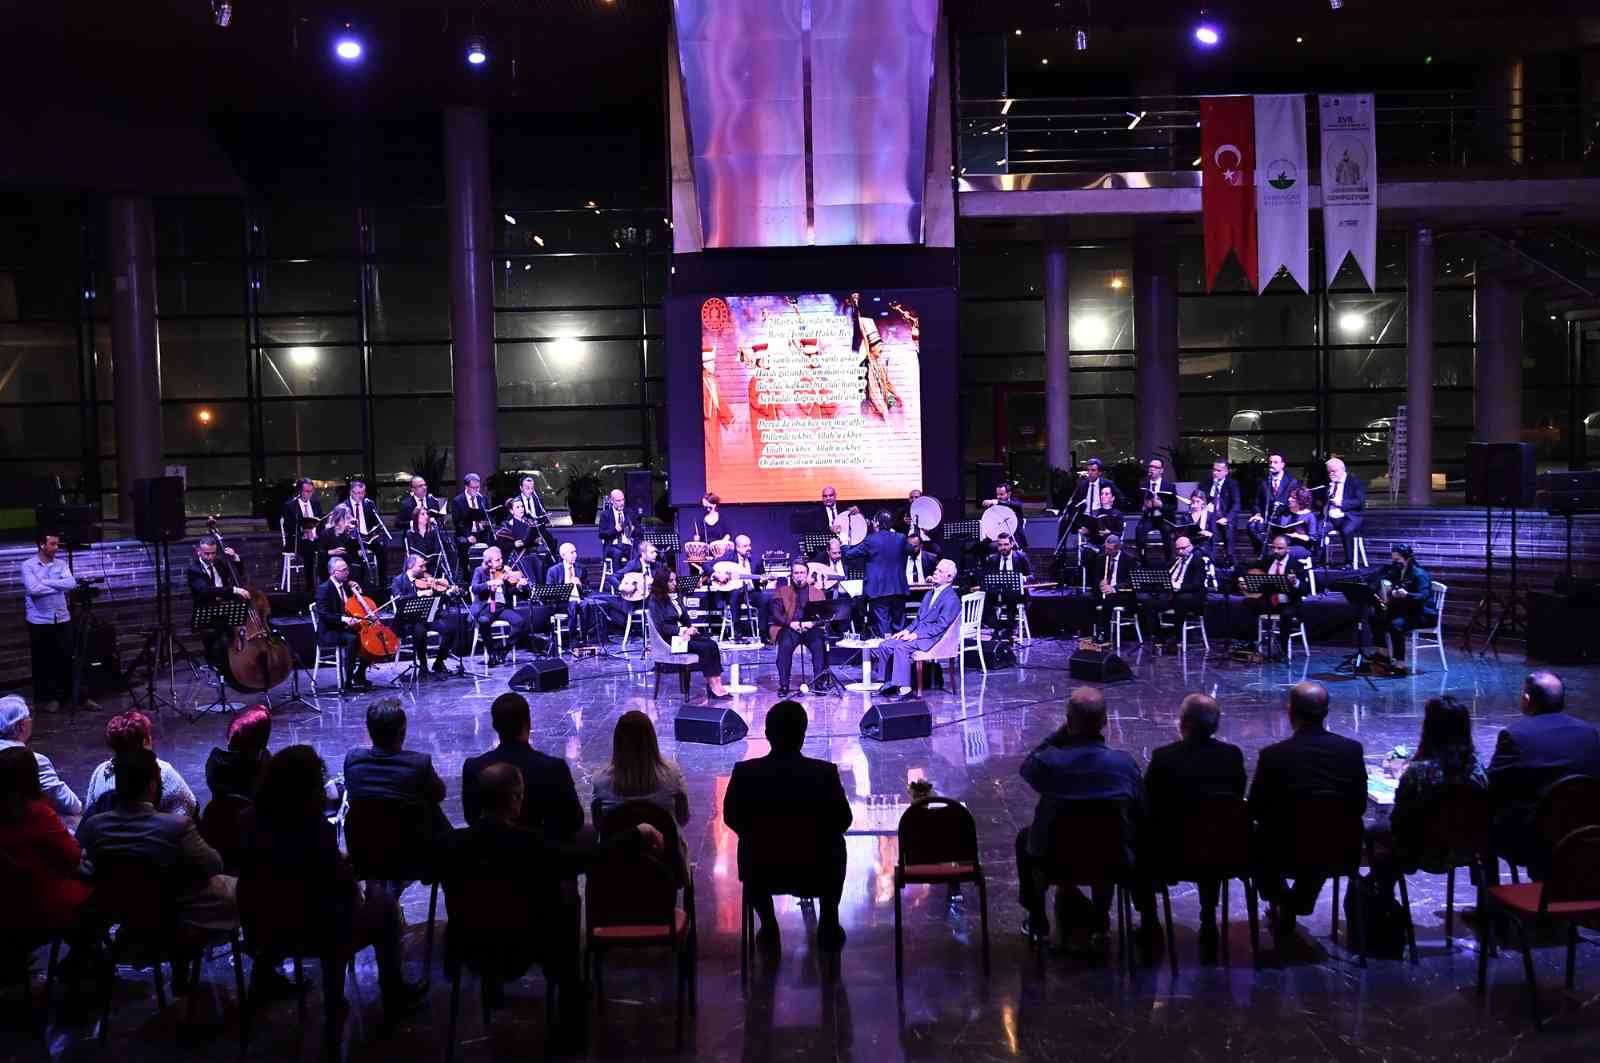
(1571,895)
(938,846)
(1570,802)
(1210,842)
(1088,847)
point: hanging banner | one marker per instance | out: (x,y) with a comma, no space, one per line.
(1349,184)
(1282,208)
(1227,183)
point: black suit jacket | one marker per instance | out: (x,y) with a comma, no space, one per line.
(462,517)
(375,524)
(1126,563)
(550,802)
(1019,563)
(1535,751)
(557,573)
(408,509)
(1169,496)
(1300,565)
(1080,492)
(329,606)
(794,794)
(1355,497)
(201,587)
(289,520)
(1225,500)
(1308,763)
(885,553)
(1194,577)
(1189,769)
(606,523)
(1266,499)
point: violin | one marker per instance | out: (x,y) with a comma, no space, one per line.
(378,639)
(434,585)
(258,658)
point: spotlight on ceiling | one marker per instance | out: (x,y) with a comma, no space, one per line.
(222,12)
(1207,35)
(1351,323)
(477,52)
(347,44)
(1080,40)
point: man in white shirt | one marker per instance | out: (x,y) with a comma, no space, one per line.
(1342,512)
(1292,562)
(298,540)
(832,512)
(919,565)
(1272,499)
(370,527)
(45,582)
(469,512)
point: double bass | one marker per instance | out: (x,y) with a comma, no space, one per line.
(378,640)
(258,658)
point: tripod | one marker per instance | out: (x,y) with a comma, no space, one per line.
(162,647)
(1514,612)
(1512,609)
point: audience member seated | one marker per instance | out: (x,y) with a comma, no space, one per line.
(1312,762)
(289,843)
(1074,764)
(1444,757)
(1530,754)
(788,803)
(36,844)
(132,831)
(125,733)
(237,770)
(669,618)
(940,608)
(1196,767)
(550,801)
(496,849)
(637,772)
(387,771)
(16,725)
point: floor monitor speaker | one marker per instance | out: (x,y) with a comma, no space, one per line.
(1098,666)
(540,676)
(711,725)
(894,720)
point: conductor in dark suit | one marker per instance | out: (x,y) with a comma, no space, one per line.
(1313,762)
(940,608)
(1196,767)
(550,804)
(885,552)
(334,628)
(1342,507)
(1187,578)
(790,813)
(302,542)
(1529,755)
(1272,500)
(1158,502)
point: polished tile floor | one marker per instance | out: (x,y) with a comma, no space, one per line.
(1061,1008)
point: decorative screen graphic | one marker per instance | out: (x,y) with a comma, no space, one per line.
(799,392)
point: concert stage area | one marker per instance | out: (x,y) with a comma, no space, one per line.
(1059,1008)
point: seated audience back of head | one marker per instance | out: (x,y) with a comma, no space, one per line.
(38,847)
(236,771)
(126,732)
(16,727)
(389,774)
(550,802)
(638,772)
(1530,754)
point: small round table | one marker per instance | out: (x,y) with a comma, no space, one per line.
(733,649)
(866,646)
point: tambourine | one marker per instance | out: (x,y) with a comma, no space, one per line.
(926,513)
(695,552)
(855,529)
(997,520)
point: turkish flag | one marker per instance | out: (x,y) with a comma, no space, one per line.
(1228,183)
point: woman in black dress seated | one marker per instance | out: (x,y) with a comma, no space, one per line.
(1300,524)
(668,618)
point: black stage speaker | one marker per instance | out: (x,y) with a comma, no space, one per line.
(158,509)
(710,725)
(637,485)
(989,474)
(1500,474)
(1568,492)
(894,720)
(543,675)
(1098,666)
(77,525)
(1561,629)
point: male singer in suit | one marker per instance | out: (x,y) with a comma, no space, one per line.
(1294,564)
(1158,501)
(1187,576)
(1222,508)
(832,512)
(788,628)
(334,628)
(1341,508)
(1086,495)
(533,509)
(302,543)
(1111,583)
(370,527)
(1272,498)
(885,552)
(418,496)
(615,526)
(469,513)
(940,608)
(921,559)
(209,580)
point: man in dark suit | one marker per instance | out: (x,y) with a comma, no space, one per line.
(616,527)
(1111,583)
(418,496)
(1006,558)
(1272,499)
(387,771)
(550,805)
(1003,498)
(1313,762)
(496,597)
(885,552)
(1342,508)
(446,620)
(209,581)
(1158,501)
(1195,767)
(833,512)
(940,608)
(1086,495)
(788,628)
(469,515)
(920,561)
(586,617)
(1187,578)
(790,813)
(1222,506)
(302,542)
(370,528)
(1074,764)
(335,628)
(1529,755)
(1294,564)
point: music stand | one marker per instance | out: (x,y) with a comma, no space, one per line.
(1257,583)
(556,597)
(1151,581)
(960,529)
(1363,597)
(1006,587)
(224,614)
(814,543)
(827,613)
(415,610)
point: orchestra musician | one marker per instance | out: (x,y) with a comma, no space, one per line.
(1157,502)
(668,617)
(338,539)
(1187,599)
(533,509)
(415,582)
(469,513)
(425,539)
(1222,502)
(1086,495)
(832,514)
(1198,525)
(1111,576)
(590,611)
(1004,497)
(1272,499)
(302,542)
(920,561)
(496,592)
(1293,563)
(518,538)
(714,527)
(905,518)
(885,551)
(1299,524)
(734,594)
(1102,519)
(418,498)
(336,628)
(370,527)
(787,628)
(1342,507)
(1006,558)
(645,563)
(1405,602)
(832,560)
(210,580)
(616,527)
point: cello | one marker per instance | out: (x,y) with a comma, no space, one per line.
(258,658)
(378,640)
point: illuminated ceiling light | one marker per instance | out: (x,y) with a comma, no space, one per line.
(203,416)
(1080,40)
(222,13)
(539,240)
(1196,161)
(1046,62)
(589,203)
(1207,34)
(304,357)
(509,219)
(1117,283)
(526,266)
(1299,40)
(1089,331)
(1137,118)
(1336,4)
(1019,33)
(567,350)
(477,52)
(1351,322)
(347,45)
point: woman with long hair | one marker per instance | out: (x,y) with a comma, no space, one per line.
(638,772)
(424,539)
(1445,757)
(669,618)
(338,538)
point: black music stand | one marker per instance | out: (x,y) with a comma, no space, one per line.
(224,614)
(1360,594)
(814,543)
(1151,581)
(556,597)
(1006,587)
(827,613)
(409,611)
(1258,583)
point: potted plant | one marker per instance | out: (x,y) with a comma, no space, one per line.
(583,492)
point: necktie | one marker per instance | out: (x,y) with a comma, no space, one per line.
(342,596)
(472,501)
(1277,567)
(1005,563)
(1111,574)
(1275,485)
(361,519)
(1176,566)
(216,581)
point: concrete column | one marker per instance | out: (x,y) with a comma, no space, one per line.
(1498,378)
(1155,343)
(1419,367)
(471,252)
(136,377)
(1057,359)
